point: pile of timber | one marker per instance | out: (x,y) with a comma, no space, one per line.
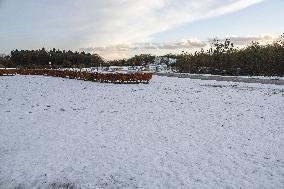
(104,77)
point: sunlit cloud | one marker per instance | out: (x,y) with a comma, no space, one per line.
(189,45)
(133,29)
(245,40)
(128,21)
(110,26)
(122,50)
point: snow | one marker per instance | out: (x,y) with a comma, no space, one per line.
(171,133)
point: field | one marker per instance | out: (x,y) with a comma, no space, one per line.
(170,133)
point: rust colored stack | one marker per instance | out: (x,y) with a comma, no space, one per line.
(135,77)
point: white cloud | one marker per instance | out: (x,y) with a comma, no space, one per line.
(123,50)
(245,40)
(99,23)
(130,21)
(189,45)
(232,6)
(135,21)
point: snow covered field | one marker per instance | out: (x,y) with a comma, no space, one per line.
(171,133)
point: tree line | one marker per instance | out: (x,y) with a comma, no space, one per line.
(224,59)
(137,60)
(50,59)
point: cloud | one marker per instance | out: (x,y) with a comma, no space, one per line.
(190,45)
(135,22)
(245,40)
(232,6)
(108,23)
(122,50)
(126,21)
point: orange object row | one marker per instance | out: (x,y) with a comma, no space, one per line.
(136,77)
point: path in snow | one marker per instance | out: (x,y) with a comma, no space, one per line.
(171,133)
(245,79)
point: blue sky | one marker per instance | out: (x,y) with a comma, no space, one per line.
(260,19)
(122,28)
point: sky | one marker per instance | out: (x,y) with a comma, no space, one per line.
(122,28)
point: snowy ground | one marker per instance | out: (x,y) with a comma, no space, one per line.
(171,133)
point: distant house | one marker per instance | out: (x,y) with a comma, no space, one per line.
(161,64)
(152,67)
(164,60)
(138,68)
(172,60)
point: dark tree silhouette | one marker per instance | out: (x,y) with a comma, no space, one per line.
(225,59)
(53,58)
